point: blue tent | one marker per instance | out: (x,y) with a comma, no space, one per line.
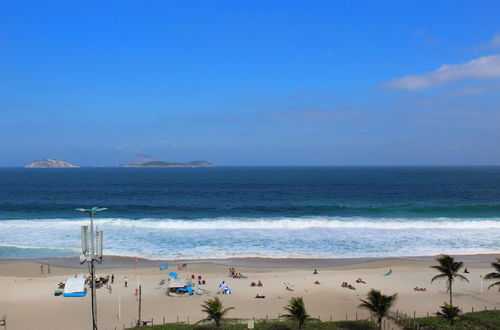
(189,289)
(172,274)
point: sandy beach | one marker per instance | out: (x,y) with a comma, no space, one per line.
(28,301)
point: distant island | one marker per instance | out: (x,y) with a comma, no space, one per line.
(146,161)
(50,163)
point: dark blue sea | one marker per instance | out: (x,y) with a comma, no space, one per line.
(220,212)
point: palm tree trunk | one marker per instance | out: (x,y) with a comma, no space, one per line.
(380,323)
(451,295)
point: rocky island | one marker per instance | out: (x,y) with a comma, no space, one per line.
(50,163)
(146,161)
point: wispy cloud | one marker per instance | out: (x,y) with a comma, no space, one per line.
(424,36)
(485,67)
(432,41)
(418,32)
(312,114)
(495,42)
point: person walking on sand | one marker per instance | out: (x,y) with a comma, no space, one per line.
(126,282)
(41,269)
(48,269)
(112,278)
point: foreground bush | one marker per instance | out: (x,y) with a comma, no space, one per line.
(271,325)
(486,320)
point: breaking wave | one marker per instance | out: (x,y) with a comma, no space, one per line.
(264,223)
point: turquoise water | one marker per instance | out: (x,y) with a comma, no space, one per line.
(223,212)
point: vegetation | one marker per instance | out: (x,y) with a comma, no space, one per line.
(270,325)
(378,304)
(494,275)
(485,320)
(450,313)
(215,311)
(297,311)
(448,268)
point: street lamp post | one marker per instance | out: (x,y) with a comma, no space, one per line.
(91,255)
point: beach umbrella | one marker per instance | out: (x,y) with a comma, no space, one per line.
(172,274)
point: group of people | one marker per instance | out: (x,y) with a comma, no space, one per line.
(102,281)
(347,285)
(419,289)
(41,269)
(200,280)
(224,289)
(234,274)
(360,280)
(259,284)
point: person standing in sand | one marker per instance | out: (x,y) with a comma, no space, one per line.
(41,269)
(126,282)
(48,269)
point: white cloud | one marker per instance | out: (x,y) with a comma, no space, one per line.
(485,67)
(495,42)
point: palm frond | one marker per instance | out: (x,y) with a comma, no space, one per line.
(297,311)
(215,311)
(439,276)
(377,303)
(496,265)
(449,312)
(492,276)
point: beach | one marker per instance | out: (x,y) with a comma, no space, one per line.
(29,303)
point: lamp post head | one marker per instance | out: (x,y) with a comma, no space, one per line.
(92,210)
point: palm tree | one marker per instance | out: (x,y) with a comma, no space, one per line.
(378,304)
(448,269)
(494,275)
(297,311)
(215,311)
(449,312)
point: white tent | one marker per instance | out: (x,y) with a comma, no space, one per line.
(179,287)
(177,283)
(75,287)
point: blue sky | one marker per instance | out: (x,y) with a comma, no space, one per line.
(251,82)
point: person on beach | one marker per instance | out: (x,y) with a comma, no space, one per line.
(41,269)
(126,282)
(48,269)
(112,278)
(315,272)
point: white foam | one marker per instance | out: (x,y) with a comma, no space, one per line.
(319,237)
(266,223)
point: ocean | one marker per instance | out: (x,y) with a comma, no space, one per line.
(277,212)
